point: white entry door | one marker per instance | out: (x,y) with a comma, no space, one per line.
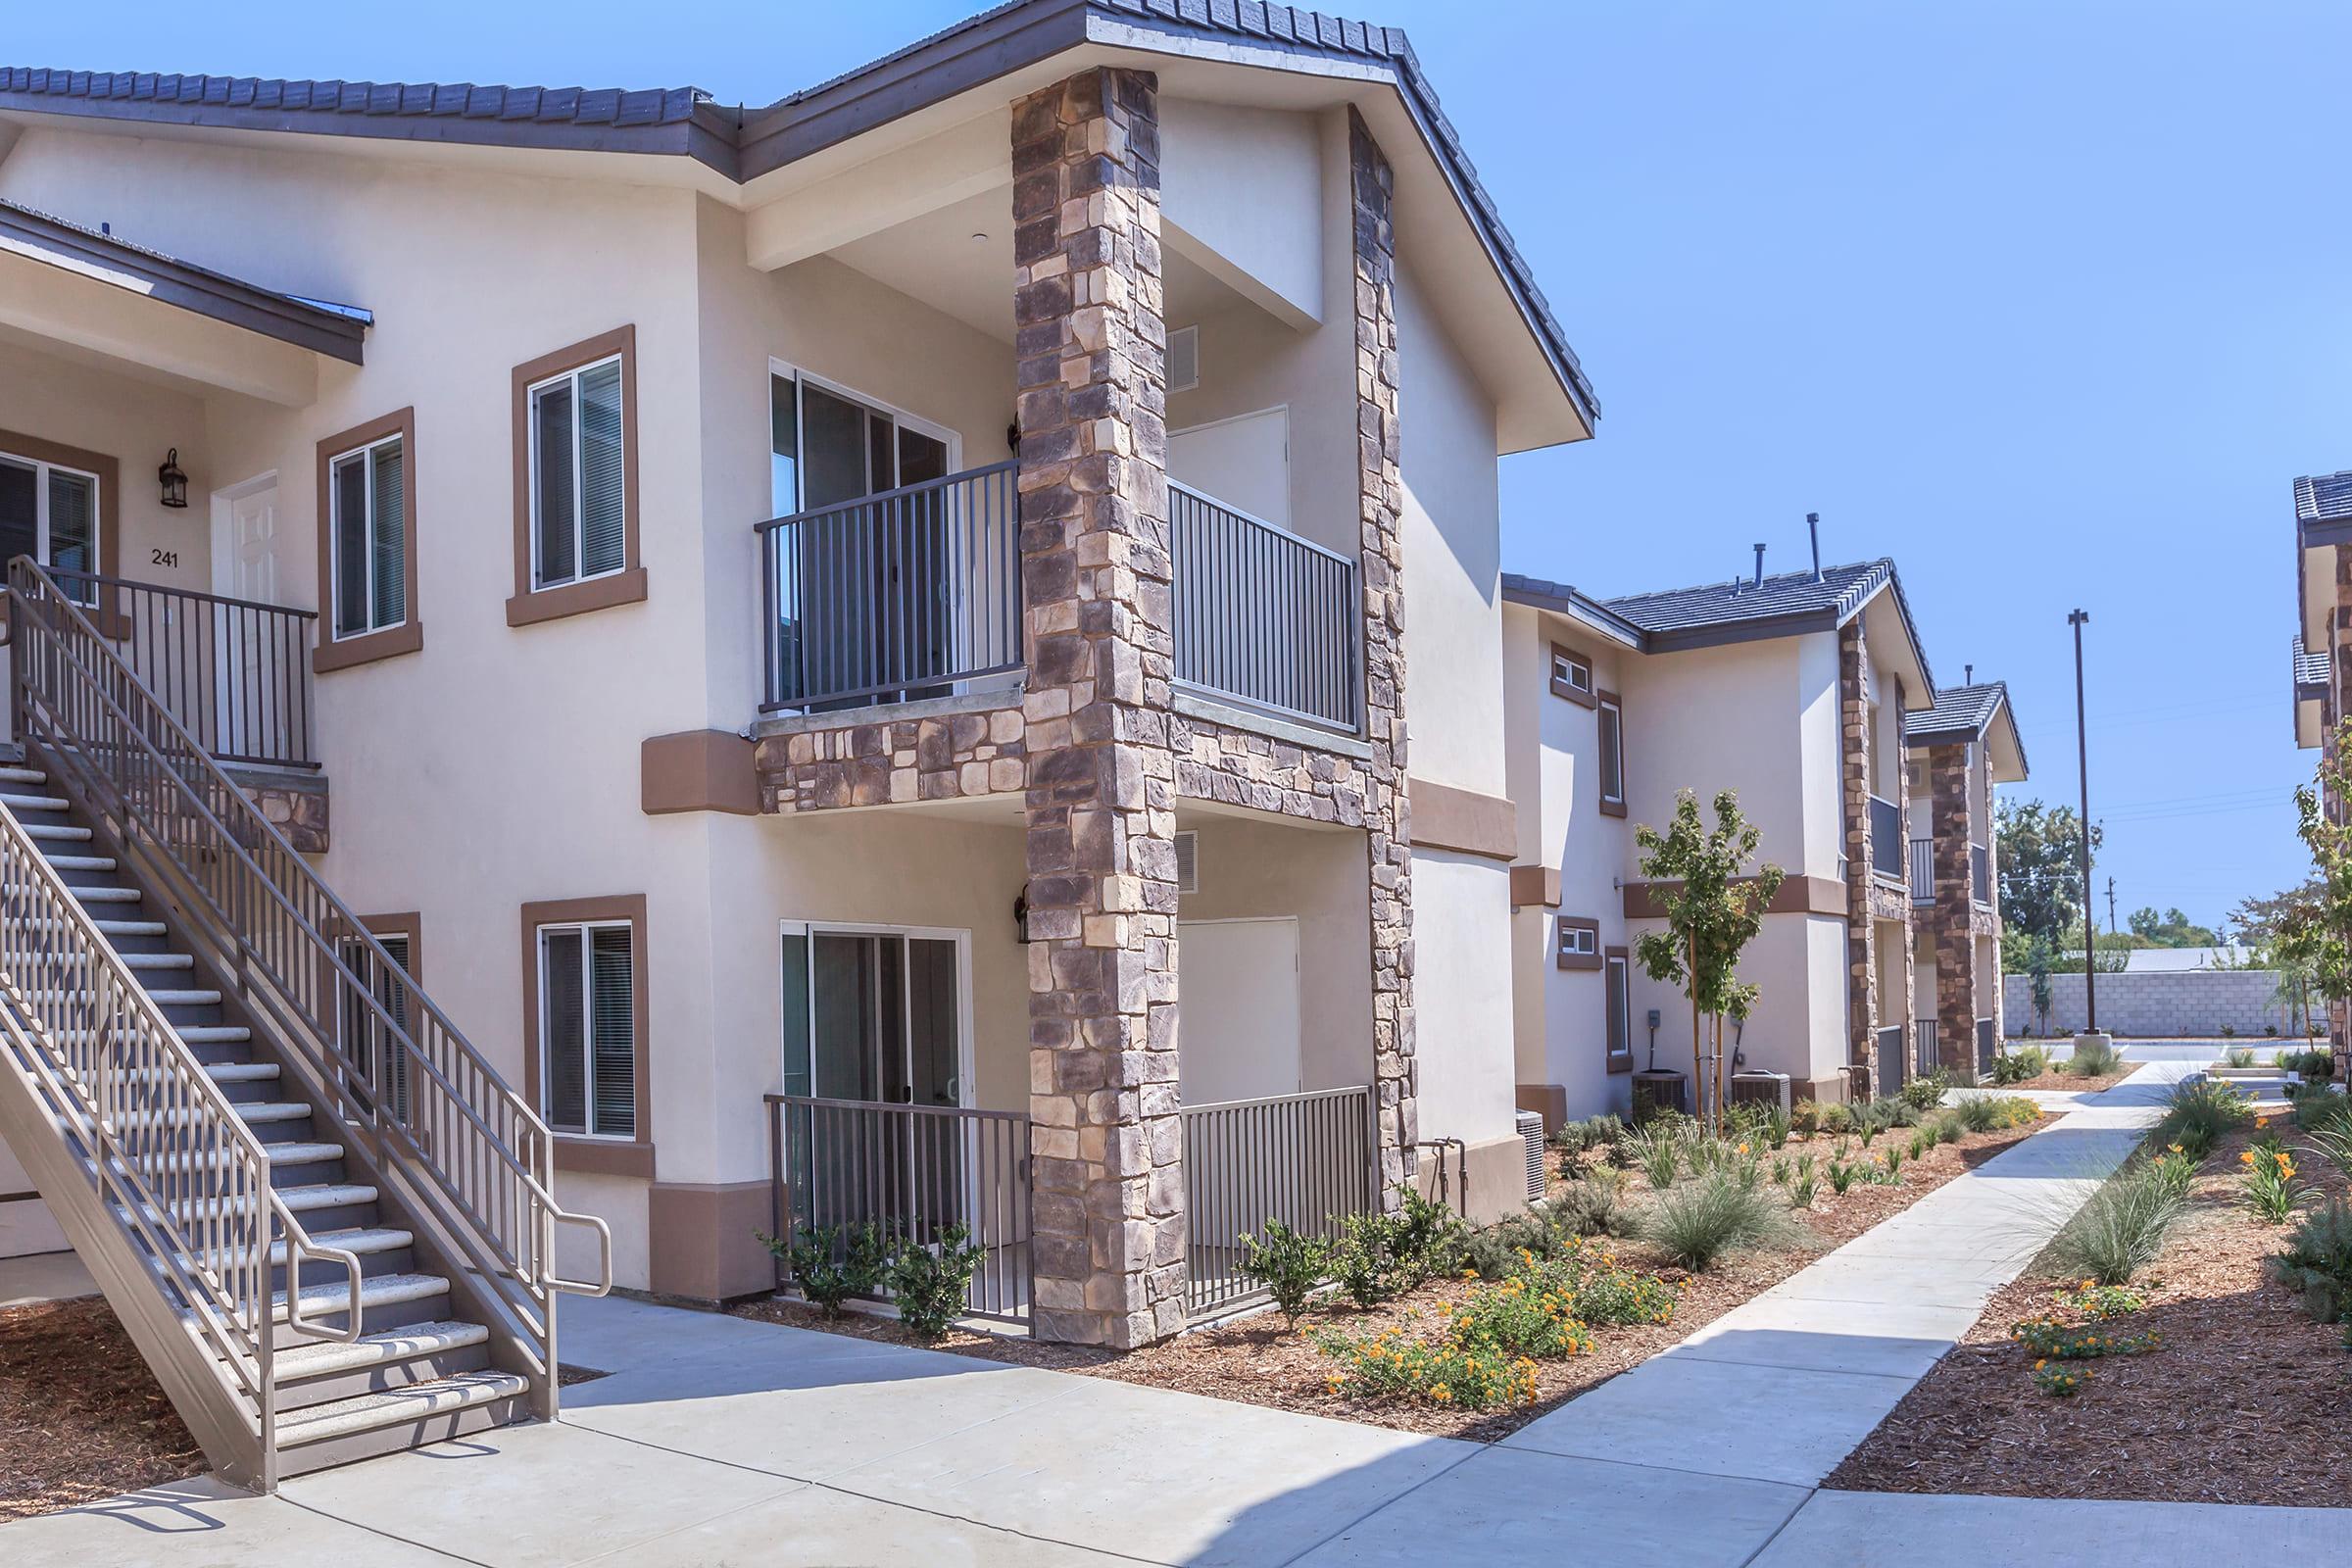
(244,567)
(1238,1030)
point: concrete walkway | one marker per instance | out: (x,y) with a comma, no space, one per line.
(717,1441)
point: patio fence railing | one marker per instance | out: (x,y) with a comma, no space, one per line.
(1309,1161)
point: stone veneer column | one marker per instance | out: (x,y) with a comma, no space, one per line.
(1956,978)
(1108,1172)
(1380,493)
(2339,636)
(1861,930)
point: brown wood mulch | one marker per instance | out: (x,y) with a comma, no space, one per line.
(2243,1401)
(82,1418)
(2058,1078)
(1257,1360)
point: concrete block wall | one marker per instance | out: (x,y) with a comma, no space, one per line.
(2189,1003)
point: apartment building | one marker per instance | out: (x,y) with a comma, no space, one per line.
(1808,694)
(2322,669)
(598,673)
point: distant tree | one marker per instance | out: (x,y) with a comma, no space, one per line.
(2322,937)
(2171,929)
(2040,859)
(1711,917)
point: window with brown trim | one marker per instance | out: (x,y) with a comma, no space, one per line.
(61,505)
(1618,1011)
(585,1022)
(1572,675)
(576,481)
(367,544)
(1612,755)
(1576,944)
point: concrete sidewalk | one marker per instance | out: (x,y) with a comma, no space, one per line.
(719,1440)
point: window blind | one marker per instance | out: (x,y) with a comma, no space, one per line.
(389,526)
(603,509)
(558,559)
(613,1017)
(351,544)
(562,969)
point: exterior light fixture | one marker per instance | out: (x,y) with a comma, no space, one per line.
(173,480)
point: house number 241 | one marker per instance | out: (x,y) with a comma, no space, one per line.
(164,558)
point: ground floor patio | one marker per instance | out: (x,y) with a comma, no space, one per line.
(718,1440)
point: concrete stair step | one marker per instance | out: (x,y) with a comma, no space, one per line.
(15,774)
(383,1289)
(374,1349)
(20,802)
(369,1412)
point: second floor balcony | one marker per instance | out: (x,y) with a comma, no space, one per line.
(917,593)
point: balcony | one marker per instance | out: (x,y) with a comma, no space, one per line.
(1922,870)
(917,593)
(1980,874)
(1885,839)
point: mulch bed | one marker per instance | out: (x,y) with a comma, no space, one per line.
(82,1418)
(2059,1078)
(1256,1360)
(2243,1401)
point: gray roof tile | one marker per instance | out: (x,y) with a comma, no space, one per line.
(658,106)
(1841,590)
(2323,497)
(1958,710)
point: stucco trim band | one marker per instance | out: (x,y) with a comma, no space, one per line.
(698,770)
(1463,820)
(703,1239)
(1798,895)
(1535,886)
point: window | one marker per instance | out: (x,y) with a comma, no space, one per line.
(588,1028)
(1616,976)
(367,543)
(576,481)
(874,1013)
(579,472)
(50,512)
(1579,946)
(368,535)
(1571,675)
(366,1037)
(1612,755)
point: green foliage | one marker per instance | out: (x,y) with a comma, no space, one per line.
(931,1285)
(2171,929)
(2094,1057)
(2047,1337)
(2101,1302)
(1926,1092)
(2175,1168)
(2272,1190)
(1803,1183)
(826,1279)
(1443,1371)
(1711,914)
(1429,1236)
(2317,936)
(2121,1229)
(2059,1378)
(2238,1057)
(2318,1261)
(1594,1205)
(1657,1151)
(2019,1063)
(1379,1256)
(1703,1220)
(1949,1129)
(1599,1132)
(1977,1114)
(2038,849)
(1288,1264)
(2308,1065)
(1893,1156)
(2198,1113)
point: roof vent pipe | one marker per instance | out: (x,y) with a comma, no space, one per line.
(1967,675)
(1813,527)
(1759,565)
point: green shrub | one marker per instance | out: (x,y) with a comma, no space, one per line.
(1594,1205)
(1926,1092)
(1600,1293)
(2200,1114)
(1777,1128)
(2238,1057)
(1705,1220)
(2019,1063)
(1837,1120)
(1657,1151)
(824,1279)
(2047,1337)
(2121,1229)
(2175,1169)
(2307,1064)
(2272,1190)
(931,1285)
(2095,1058)
(2059,1378)
(1429,1237)
(1806,1117)
(1370,1261)
(1977,1114)
(1802,1183)
(1497,1252)
(2318,1263)
(2102,1301)
(1528,1315)
(1444,1371)
(1288,1264)
(1893,1156)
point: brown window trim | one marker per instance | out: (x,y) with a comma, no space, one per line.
(531,605)
(1561,688)
(1559,947)
(333,652)
(575,1152)
(109,618)
(1615,807)
(1618,1060)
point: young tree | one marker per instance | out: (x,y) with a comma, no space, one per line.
(2040,859)
(1711,917)
(2321,937)
(2038,958)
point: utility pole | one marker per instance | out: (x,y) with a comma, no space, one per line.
(2111,905)
(2091,925)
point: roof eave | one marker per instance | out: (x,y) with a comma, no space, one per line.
(1560,599)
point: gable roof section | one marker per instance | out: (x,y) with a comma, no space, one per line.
(1561,599)
(335,330)
(1969,713)
(683,122)
(2324,507)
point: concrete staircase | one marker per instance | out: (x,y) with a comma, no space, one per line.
(422,1367)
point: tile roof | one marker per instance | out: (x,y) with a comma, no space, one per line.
(460,100)
(2323,497)
(1839,592)
(685,119)
(1958,710)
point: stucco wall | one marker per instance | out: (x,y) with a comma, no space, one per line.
(2194,1003)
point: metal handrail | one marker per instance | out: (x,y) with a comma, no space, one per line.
(235,672)
(165,1144)
(477,1157)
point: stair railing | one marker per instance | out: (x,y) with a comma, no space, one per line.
(167,1151)
(474,1155)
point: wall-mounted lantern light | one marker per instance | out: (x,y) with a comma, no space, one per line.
(174,482)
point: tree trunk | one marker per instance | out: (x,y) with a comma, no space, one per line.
(1719,1075)
(1698,1065)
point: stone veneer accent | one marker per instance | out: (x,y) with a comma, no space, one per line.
(1108,1173)
(293,804)
(1861,930)
(893,760)
(1380,495)
(1959,989)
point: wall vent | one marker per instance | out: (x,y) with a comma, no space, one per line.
(1531,1128)
(1187,863)
(1184,359)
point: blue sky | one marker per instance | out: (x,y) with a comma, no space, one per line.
(2046,300)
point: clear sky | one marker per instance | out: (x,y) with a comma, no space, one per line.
(2044,298)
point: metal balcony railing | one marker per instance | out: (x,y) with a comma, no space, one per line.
(1264,616)
(1980,873)
(1309,1161)
(892,597)
(1922,870)
(1885,839)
